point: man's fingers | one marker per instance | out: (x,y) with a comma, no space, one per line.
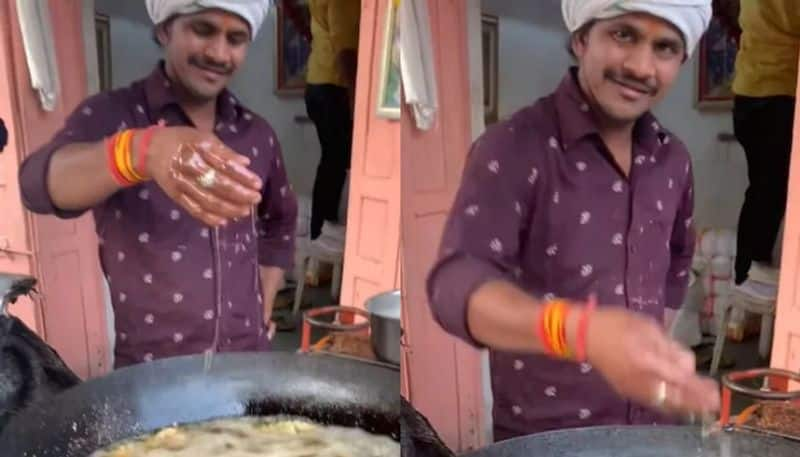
(696,395)
(225,188)
(231,164)
(197,211)
(224,185)
(209,202)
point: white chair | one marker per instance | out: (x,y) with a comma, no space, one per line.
(307,252)
(739,301)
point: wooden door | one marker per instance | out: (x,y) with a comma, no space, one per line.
(373,219)
(444,375)
(786,344)
(72,306)
(15,245)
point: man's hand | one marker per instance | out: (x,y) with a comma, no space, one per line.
(202,175)
(637,358)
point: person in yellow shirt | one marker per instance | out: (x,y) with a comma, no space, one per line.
(330,85)
(765,84)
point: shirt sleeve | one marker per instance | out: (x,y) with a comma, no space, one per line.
(277,217)
(682,245)
(481,240)
(88,123)
(343,20)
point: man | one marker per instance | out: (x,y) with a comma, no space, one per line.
(765,84)
(330,90)
(582,194)
(194,250)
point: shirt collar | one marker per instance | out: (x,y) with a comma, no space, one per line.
(160,95)
(576,121)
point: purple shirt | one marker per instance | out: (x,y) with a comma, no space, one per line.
(542,204)
(177,286)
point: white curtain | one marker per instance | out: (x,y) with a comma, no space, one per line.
(417,63)
(37,36)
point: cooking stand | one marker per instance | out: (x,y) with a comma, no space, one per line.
(346,339)
(756,418)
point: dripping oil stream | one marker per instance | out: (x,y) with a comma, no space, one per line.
(209,354)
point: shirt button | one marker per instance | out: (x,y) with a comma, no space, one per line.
(632,249)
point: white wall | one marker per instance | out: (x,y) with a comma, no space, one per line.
(533,60)
(134,54)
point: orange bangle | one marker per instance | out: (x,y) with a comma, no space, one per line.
(543,330)
(120,156)
(112,164)
(563,331)
(552,328)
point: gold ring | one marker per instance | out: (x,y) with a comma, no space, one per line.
(208,179)
(661,394)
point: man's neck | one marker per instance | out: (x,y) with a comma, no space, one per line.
(202,115)
(617,136)
(202,112)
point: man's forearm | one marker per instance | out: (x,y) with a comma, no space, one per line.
(504,317)
(271,282)
(79,177)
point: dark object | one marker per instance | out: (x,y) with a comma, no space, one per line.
(3,135)
(328,106)
(143,398)
(30,370)
(727,11)
(18,288)
(764,128)
(418,438)
(295,14)
(637,442)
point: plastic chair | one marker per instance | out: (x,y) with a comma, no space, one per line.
(739,301)
(306,253)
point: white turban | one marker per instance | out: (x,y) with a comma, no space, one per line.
(252,11)
(691,17)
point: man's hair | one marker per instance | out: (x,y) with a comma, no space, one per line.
(580,34)
(163,24)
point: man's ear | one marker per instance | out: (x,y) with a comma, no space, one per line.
(161,33)
(577,41)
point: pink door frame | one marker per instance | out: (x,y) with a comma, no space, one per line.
(372,246)
(786,343)
(444,375)
(70,312)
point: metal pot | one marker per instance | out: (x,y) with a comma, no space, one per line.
(384,319)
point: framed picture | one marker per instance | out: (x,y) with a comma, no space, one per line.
(716,61)
(102,28)
(389,92)
(291,54)
(489,39)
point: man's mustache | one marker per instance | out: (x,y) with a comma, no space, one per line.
(210,65)
(633,82)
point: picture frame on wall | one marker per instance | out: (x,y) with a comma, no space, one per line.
(291,54)
(102,26)
(715,68)
(490,37)
(390,80)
